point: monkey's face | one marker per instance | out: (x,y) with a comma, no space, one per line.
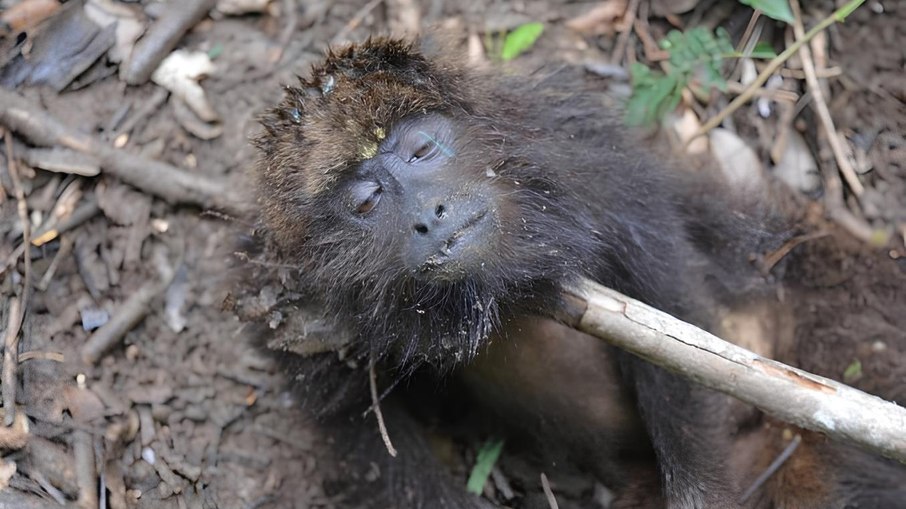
(414,202)
(423,198)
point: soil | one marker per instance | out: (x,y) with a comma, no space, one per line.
(182,412)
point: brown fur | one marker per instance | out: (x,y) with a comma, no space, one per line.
(591,206)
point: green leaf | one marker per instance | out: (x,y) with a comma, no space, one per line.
(696,58)
(777,9)
(520,39)
(487,457)
(763,50)
(853,372)
(215,51)
(724,45)
(653,95)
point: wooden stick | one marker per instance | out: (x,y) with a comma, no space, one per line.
(820,106)
(18,305)
(792,395)
(155,177)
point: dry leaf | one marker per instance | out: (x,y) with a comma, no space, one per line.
(15,436)
(738,162)
(26,14)
(685,126)
(128,26)
(180,72)
(604,19)
(83,404)
(797,168)
(7,471)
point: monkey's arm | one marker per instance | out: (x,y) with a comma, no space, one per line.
(685,424)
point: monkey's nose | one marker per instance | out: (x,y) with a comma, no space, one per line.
(431,221)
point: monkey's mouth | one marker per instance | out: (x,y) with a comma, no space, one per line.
(464,243)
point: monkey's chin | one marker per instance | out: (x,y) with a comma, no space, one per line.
(438,270)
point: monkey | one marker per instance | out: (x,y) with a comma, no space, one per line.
(421,217)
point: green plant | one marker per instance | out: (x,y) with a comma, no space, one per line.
(777,9)
(520,40)
(511,45)
(484,463)
(696,57)
(853,372)
(695,61)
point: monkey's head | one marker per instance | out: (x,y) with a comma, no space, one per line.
(413,200)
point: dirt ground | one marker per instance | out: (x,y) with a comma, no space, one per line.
(178,411)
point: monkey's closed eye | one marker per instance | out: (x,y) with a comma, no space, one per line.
(423,151)
(366,196)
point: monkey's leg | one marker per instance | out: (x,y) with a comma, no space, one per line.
(685,423)
(371,478)
(368,477)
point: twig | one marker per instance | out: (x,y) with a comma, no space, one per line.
(548,493)
(18,306)
(62,253)
(840,215)
(11,347)
(167,475)
(735,87)
(51,490)
(772,468)
(85,469)
(49,232)
(653,52)
(773,258)
(148,106)
(746,42)
(789,394)
(501,482)
(354,22)
(124,319)
(773,65)
(116,484)
(162,37)
(42,356)
(820,105)
(13,499)
(376,404)
(168,182)
(620,48)
(822,73)
(62,160)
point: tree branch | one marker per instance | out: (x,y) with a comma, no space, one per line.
(792,395)
(155,177)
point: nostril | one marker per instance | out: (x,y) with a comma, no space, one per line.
(421,228)
(440,212)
